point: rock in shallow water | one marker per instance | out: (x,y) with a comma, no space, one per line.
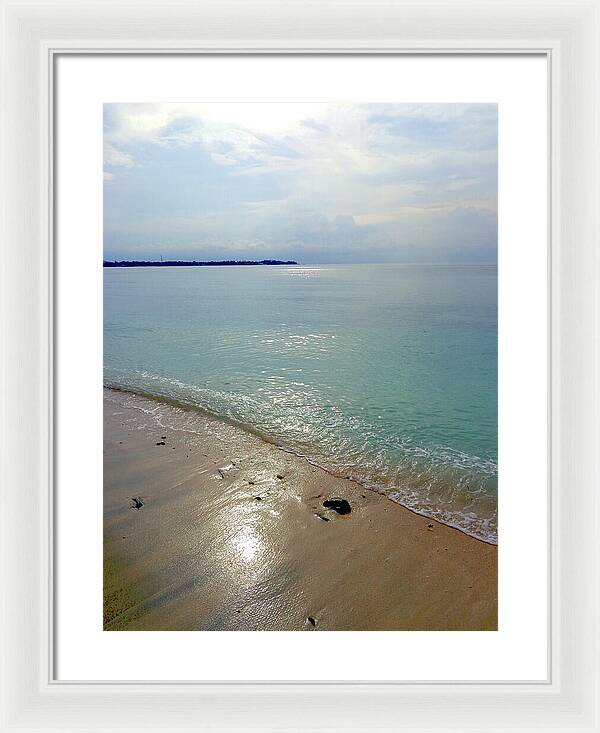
(341,506)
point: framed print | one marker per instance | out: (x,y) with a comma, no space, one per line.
(300,373)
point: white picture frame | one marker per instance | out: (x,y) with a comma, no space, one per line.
(568,33)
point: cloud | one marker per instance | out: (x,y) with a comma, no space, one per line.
(114,157)
(321,182)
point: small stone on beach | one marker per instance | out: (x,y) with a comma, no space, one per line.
(311,621)
(137,502)
(162,442)
(280,476)
(341,506)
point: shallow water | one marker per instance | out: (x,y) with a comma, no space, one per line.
(386,373)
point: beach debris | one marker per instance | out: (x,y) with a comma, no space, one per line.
(163,437)
(430,527)
(221,471)
(280,476)
(316,496)
(137,502)
(251,483)
(161,442)
(341,506)
(322,516)
(258,498)
(311,620)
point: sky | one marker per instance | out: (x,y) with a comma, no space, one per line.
(314,183)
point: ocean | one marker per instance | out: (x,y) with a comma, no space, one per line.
(383,373)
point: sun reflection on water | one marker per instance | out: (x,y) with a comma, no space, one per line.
(246,538)
(247,543)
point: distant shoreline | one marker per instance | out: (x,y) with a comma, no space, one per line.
(193,263)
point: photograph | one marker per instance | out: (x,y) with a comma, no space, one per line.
(298,319)
(300,366)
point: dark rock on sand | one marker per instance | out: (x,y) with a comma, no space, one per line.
(311,621)
(162,442)
(341,506)
(323,517)
(136,502)
(280,476)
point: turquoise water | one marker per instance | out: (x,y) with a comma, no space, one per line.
(386,373)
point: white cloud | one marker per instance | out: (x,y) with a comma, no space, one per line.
(113,157)
(265,175)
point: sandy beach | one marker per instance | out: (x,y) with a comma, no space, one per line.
(208,527)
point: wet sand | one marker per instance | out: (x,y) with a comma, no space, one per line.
(231,534)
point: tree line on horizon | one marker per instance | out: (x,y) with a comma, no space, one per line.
(192,263)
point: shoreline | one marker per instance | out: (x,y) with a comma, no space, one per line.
(179,404)
(232,534)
